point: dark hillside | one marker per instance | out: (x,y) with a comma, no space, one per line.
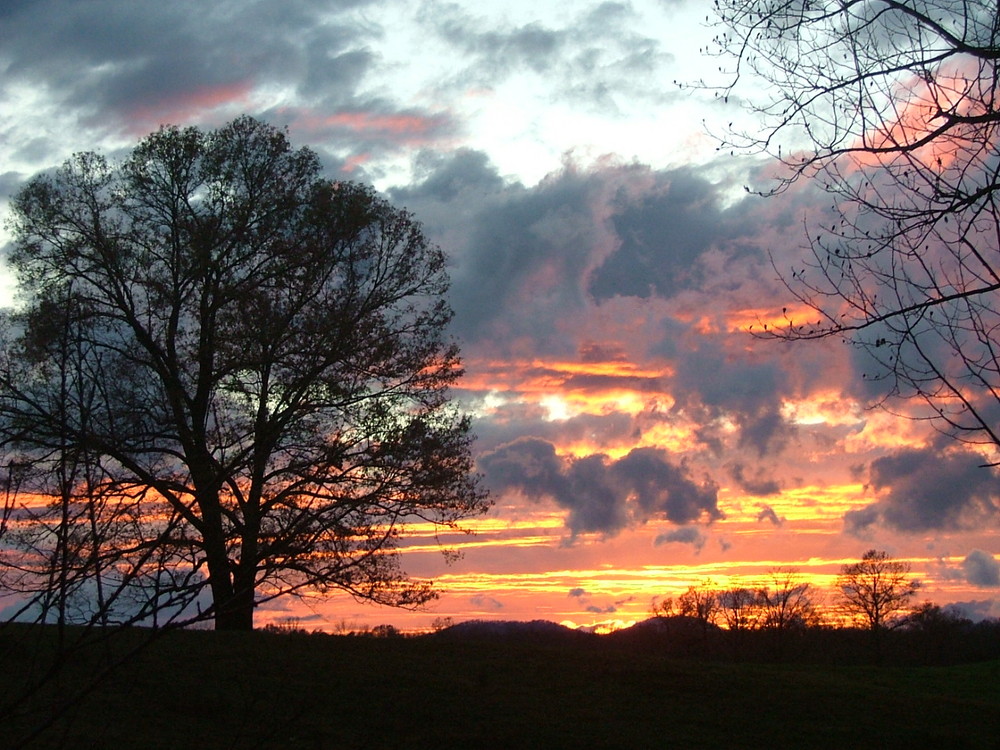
(267,690)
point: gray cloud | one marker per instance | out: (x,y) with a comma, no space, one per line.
(486,602)
(927,490)
(750,388)
(662,488)
(148,54)
(527,464)
(981,569)
(10,183)
(517,253)
(859,522)
(532,265)
(527,259)
(688,535)
(599,61)
(602,495)
(767,514)
(663,234)
(129,67)
(512,421)
(757,484)
(582,596)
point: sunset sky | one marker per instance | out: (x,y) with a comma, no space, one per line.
(606,263)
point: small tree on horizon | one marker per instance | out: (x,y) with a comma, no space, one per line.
(787,602)
(875,589)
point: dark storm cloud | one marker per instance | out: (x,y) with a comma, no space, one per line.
(981,569)
(602,495)
(722,381)
(756,484)
(927,490)
(663,234)
(525,259)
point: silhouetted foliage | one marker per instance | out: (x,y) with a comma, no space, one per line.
(246,362)
(874,590)
(788,602)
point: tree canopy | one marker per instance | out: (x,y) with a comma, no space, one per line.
(875,588)
(240,370)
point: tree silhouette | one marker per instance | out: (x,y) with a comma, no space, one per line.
(875,589)
(787,604)
(892,107)
(259,362)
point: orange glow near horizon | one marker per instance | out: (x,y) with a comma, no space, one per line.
(618,596)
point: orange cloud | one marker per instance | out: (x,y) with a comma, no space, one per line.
(925,106)
(538,377)
(763,319)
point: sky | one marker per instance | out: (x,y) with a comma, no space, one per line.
(606,263)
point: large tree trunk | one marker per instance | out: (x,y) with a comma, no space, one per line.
(233,587)
(228,600)
(220,583)
(237,612)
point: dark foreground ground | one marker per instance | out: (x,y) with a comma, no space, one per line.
(197,689)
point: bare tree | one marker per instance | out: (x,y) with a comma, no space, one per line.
(787,601)
(874,590)
(702,604)
(663,607)
(891,106)
(740,608)
(787,604)
(263,364)
(76,554)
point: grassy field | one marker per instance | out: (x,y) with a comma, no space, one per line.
(203,690)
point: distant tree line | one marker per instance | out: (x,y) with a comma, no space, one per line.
(784,617)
